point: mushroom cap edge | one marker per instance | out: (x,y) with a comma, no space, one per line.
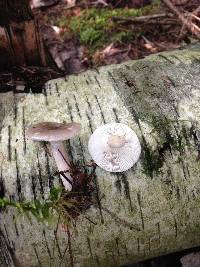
(52,131)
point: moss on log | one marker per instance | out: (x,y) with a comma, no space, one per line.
(150,210)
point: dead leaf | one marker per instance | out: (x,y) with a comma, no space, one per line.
(69,3)
(42,3)
(56,29)
(110,50)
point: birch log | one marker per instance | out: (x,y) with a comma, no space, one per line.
(150,210)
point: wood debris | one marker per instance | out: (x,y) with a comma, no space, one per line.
(186,22)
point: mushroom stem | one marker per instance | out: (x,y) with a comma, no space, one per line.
(61,159)
(116,141)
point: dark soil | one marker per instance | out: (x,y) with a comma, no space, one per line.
(26,79)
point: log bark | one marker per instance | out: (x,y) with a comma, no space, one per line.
(20,41)
(150,210)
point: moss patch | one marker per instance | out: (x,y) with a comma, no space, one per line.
(173,138)
(94,27)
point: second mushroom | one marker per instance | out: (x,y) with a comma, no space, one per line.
(114,147)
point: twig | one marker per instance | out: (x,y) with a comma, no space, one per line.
(141,18)
(117,4)
(183,31)
(196,11)
(121,221)
(194,16)
(191,26)
(62,258)
(100,2)
(153,22)
(54,241)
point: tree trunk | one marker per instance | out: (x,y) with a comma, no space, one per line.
(20,41)
(150,210)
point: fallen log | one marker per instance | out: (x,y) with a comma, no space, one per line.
(152,209)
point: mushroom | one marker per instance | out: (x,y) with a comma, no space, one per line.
(55,133)
(114,147)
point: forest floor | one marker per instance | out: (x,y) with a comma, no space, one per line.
(87,34)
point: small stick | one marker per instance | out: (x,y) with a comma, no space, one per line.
(99,2)
(153,22)
(191,26)
(141,18)
(183,30)
(196,11)
(194,16)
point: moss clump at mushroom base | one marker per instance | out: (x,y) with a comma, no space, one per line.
(59,203)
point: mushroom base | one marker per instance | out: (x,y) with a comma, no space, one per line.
(62,161)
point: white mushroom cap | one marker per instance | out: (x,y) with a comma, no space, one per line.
(114,147)
(53,131)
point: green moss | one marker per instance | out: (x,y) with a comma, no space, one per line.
(171,140)
(95,28)
(152,161)
(174,138)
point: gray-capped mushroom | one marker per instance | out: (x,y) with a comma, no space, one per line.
(114,147)
(55,133)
